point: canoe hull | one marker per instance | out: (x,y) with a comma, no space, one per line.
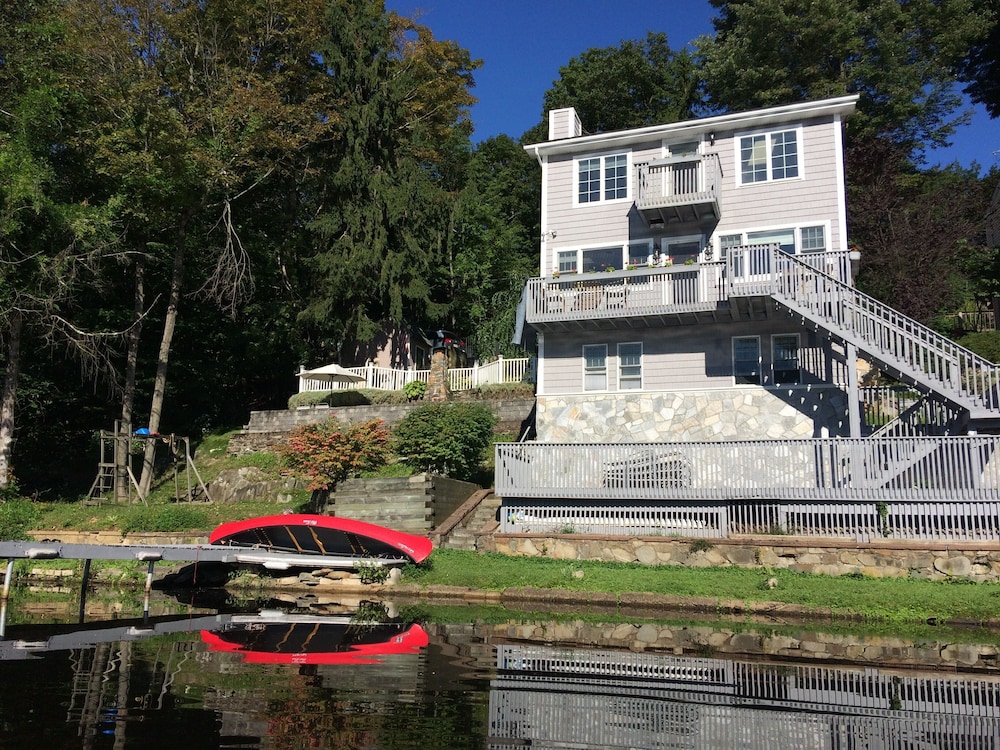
(305,533)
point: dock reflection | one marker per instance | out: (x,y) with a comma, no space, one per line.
(609,699)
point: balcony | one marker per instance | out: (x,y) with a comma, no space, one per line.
(680,192)
(644,292)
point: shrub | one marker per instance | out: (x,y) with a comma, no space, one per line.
(328,452)
(415,390)
(448,438)
(506,390)
(985,343)
(362,397)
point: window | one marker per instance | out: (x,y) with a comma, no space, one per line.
(813,239)
(602,178)
(683,249)
(746,360)
(638,253)
(769,156)
(785,359)
(602,258)
(595,367)
(566,261)
(727,242)
(784,238)
(629,367)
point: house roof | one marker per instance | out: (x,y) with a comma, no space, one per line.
(842,105)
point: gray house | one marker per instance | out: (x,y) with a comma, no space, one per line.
(699,334)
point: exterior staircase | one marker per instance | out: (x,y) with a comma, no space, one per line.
(470,523)
(899,345)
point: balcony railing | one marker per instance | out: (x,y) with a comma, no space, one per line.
(680,189)
(659,291)
(647,291)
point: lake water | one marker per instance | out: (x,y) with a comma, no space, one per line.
(368,675)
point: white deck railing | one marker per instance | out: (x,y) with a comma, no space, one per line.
(658,290)
(954,468)
(519,370)
(912,488)
(679,181)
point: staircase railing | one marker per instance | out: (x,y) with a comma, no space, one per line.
(896,341)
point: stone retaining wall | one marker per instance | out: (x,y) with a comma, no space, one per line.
(266,428)
(966,560)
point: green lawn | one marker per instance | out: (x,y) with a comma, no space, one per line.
(886,600)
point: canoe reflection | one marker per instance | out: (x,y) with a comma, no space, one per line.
(313,640)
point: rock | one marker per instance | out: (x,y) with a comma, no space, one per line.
(954,566)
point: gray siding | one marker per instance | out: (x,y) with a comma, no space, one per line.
(685,357)
(812,198)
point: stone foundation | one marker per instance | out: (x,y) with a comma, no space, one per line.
(973,561)
(710,415)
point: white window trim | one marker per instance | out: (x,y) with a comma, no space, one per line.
(642,369)
(760,364)
(602,201)
(583,367)
(768,133)
(580,250)
(796,230)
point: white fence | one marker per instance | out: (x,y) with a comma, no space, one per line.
(521,370)
(900,488)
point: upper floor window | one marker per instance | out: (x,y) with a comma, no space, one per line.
(769,156)
(813,239)
(566,261)
(602,178)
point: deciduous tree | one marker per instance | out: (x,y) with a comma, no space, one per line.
(899,57)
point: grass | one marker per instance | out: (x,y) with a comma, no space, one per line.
(869,599)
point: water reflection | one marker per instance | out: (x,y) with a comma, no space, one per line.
(365,676)
(604,699)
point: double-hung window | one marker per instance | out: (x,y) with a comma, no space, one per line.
(769,156)
(746,360)
(595,367)
(629,367)
(602,178)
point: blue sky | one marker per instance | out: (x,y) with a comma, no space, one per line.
(523,44)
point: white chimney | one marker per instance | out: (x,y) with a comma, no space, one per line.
(564,123)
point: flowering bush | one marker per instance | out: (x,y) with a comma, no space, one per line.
(328,452)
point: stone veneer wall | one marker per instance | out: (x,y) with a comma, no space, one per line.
(973,561)
(723,414)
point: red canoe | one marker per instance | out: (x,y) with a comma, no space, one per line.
(322,535)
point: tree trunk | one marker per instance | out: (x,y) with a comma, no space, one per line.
(160,382)
(123,437)
(8,398)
